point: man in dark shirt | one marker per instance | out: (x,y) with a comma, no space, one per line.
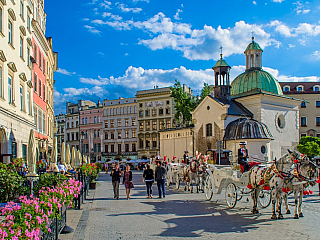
(116,175)
(243,156)
(160,175)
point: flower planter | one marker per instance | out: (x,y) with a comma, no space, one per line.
(92,185)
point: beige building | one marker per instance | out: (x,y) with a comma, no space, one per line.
(16,93)
(60,122)
(174,142)
(155,113)
(120,129)
(309,92)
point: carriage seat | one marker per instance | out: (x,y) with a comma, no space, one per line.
(251,164)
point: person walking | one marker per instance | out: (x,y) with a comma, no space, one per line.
(106,167)
(127,180)
(116,175)
(148,178)
(160,175)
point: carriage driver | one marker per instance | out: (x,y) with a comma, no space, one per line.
(186,157)
(243,156)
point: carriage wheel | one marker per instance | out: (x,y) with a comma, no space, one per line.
(264,198)
(177,182)
(231,195)
(239,195)
(208,188)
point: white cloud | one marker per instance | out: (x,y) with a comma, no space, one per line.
(291,45)
(125,8)
(126,54)
(140,1)
(197,43)
(176,16)
(112,16)
(316,55)
(92,29)
(277,1)
(105,4)
(301,8)
(101,53)
(139,78)
(65,72)
(301,29)
(254,2)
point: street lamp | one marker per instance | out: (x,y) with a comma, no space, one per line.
(82,138)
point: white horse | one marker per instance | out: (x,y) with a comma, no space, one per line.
(191,176)
(270,178)
(304,173)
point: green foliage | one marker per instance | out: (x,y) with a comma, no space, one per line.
(90,169)
(10,185)
(48,180)
(186,103)
(309,146)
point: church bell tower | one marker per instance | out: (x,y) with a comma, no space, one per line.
(222,80)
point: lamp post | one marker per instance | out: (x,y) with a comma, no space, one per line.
(82,138)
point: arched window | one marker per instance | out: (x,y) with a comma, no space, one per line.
(98,119)
(120,110)
(107,112)
(135,109)
(82,120)
(286,89)
(95,120)
(86,122)
(209,130)
(114,111)
(127,110)
(251,60)
(124,110)
(131,110)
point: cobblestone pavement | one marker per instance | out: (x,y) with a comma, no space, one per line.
(187,215)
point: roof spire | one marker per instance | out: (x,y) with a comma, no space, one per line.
(221,52)
(252,35)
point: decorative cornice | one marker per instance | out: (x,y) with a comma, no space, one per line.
(2,56)
(23,30)
(29,41)
(23,77)
(29,83)
(12,66)
(12,15)
(3,2)
(153,94)
(40,35)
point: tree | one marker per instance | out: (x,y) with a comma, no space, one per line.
(309,146)
(186,103)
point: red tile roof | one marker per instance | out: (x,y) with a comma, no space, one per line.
(307,87)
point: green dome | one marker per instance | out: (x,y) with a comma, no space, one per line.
(221,63)
(253,46)
(255,79)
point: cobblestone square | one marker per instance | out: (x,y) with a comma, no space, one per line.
(184,215)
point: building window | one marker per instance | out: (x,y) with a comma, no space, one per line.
(134,147)
(141,126)
(105,124)
(44,92)
(95,120)
(161,127)
(133,121)
(154,125)
(21,9)
(28,22)
(126,122)
(10,32)
(167,110)
(303,135)
(209,130)
(35,82)
(112,148)
(39,121)
(318,104)
(318,121)
(168,102)
(148,142)
(127,147)
(68,136)
(126,134)
(154,112)
(147,113)
(134,134)
(303,121)
(28,57)
(286,89)
(40,87)
(40,59)
(14,150)
(98,133)
(112,123)
(0,19)
(318,135)
(86,134)
(140,142)
(303,104)
(160,112)
(299,88)
(316,88)
(106,135)
(154,142)
(82,120)
(140,113)
(10,89)
(21,47)
(28,103)
(86,120)
(119,123)
(112,135)
(35,52)
(21,98)
(72,124)
(0,80)
(140,105)
(147,125)
(168,124)
(119,135)
(106,148)
(95,133)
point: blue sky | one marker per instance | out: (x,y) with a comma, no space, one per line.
(111,49)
